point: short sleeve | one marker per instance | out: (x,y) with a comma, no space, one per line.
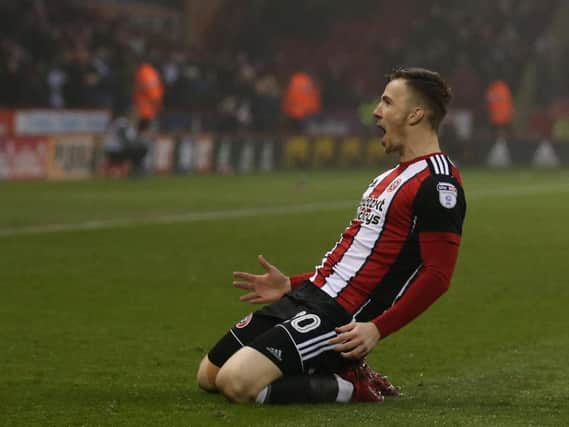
(440,205)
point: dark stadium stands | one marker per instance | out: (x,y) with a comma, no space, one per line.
(64,55)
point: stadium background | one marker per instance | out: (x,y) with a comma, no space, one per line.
(111,290)
(67,67)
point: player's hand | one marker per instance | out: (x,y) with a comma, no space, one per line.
(263,288)
(355,340)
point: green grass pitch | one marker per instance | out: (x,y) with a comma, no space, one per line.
(112,291)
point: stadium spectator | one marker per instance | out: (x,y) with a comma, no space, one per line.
(550,63)
(266,103)
(500,106)
(392,262)
(124,148)
(147,96)
(56,78)
(301,100)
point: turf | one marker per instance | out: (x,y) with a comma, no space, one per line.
(106,326)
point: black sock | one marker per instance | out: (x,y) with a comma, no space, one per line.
(307,389)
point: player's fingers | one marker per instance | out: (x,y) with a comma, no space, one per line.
(267,266)
(340,338)
(346,328)
(248,297)
(351,355)
(351,341)
(259,300)
(245,276)
(345,347)
(243,285)
(356,353)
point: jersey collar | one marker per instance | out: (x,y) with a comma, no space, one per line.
(417,159)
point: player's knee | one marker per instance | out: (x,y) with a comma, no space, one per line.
(235,386)
(206,375)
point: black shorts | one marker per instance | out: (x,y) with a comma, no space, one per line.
(292,332)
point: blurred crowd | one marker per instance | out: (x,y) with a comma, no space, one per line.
(64,55)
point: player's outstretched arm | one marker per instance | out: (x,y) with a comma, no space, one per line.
(263,288)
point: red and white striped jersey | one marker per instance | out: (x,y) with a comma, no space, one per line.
(379,256)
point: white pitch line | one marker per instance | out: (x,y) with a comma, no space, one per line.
(175,218)
(252,212)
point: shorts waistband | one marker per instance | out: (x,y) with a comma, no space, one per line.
(315,298)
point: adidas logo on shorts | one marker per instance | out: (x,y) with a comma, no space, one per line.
(277,353)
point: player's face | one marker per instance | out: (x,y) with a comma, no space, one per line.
(391,115)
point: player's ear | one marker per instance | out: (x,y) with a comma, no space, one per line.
(416,116)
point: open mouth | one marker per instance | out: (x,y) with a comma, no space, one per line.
(381,130)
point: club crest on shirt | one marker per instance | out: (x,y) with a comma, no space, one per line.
(447,194)
(244,322)
(394,185)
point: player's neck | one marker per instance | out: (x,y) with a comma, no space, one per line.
(419,145)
